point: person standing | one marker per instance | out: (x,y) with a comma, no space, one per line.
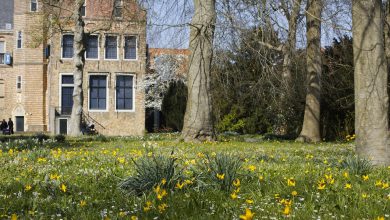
(10,126)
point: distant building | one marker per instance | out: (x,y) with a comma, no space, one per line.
(36,67)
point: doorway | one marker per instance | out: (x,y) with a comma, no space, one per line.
(19,123)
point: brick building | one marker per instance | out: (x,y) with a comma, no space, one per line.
(36,87)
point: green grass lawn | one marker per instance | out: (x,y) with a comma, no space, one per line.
(274,180)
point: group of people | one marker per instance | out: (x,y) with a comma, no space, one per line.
(7,127)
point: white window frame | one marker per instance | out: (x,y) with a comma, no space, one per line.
(36,2)
(19,82)
(98,58)
(62,46)
(60,85)
(136,47)
(21,40)
(107,92)
(117,47)
(5,49)
(134,83)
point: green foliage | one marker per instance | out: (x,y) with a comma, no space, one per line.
(357,166)
(149,172)
(174,105)
(60,138)
(41,137)
(220,170)
(230,122)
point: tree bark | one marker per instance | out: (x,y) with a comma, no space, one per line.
(198,124)
(371,97)
(311,122)
(78,61)
(288,53)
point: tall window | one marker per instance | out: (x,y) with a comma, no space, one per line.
(92,47)
(33,5)
(67,46)
(83,8)
(66,94)
(124,92)
(19,83)
(97,92)
(19,43)
(130,48)
(111,47)
(118,8)
(2,52)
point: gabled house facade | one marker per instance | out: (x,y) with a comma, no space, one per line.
(115,63)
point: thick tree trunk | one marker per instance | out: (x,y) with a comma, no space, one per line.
(78,61)
(371,97)
(198,124)
(311,122)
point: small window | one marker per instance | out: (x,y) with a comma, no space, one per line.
(111,47)
(118,8)
(67,46)
(130,48)
(19,82)
(92,47)
(19,43)
(83,9)
(2,52)
(33,5)
(124,92)
(98,92)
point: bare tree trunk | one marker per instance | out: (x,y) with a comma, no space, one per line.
(371,97)
(288,52)
(198,123)
(311,122)
(78,61)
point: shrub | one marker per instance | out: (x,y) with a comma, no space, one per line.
(149,172)
(220,171)
(356,165)
(60,138)
(174,105)
(41,137)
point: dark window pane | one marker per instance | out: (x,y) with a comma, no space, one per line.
(67,46)
(98,92)
(92,47)
(67,79)
(33,5)
(111,47)
(83,10)
(124,92)
(131,47)
(66,100)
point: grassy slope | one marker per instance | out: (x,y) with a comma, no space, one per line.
(92,170)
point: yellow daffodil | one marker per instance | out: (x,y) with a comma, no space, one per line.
(321,186)
(385,185)
(54,176)
(348,186)
(27,188)
(294,193)
(251,168)
(286,210)
(121,160)
(63,187)
(378,183)
(286,202)
(248,215)
(290,182)
(261,178)
(180,185)
(236,182)
(221,176)
(233,195)
(83,203)
(249,201)
(162,207)
(380,218)
(14,217)
(163,181)
(346,175)
(134,217)
(148,206)
(161,194)
(365,177)
(364,195)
